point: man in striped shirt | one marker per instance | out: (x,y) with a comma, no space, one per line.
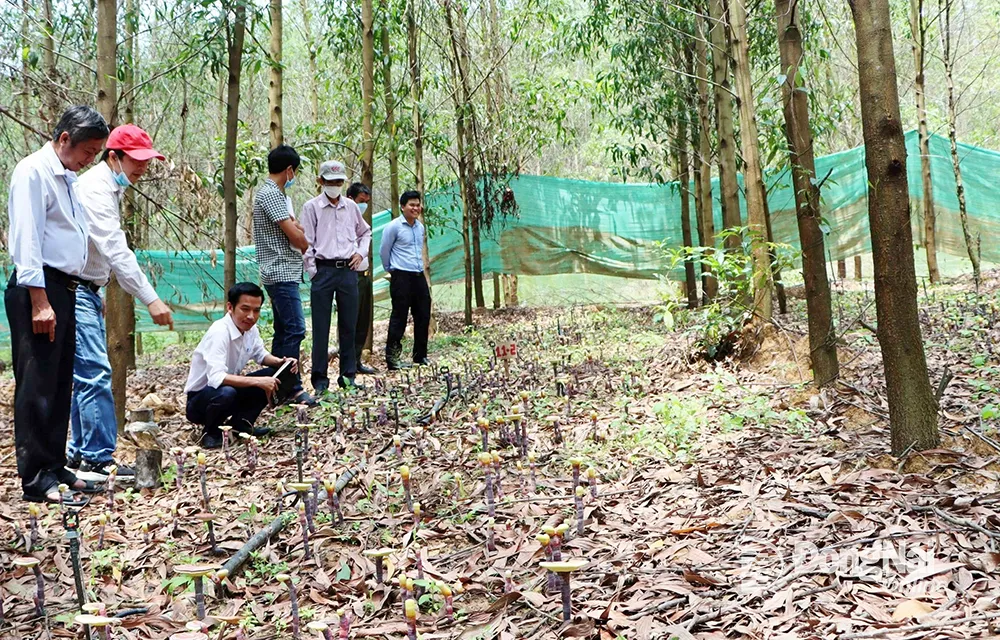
(94,428)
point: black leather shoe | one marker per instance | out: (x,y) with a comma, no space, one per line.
(397,366)
(208,441)
(422,361)
(365,369)
(349,383)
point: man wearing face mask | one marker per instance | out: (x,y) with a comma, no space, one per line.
(280,241)
(361,194)
(339,239)
(94,429)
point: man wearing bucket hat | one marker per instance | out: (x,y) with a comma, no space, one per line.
(339,239)
(93,426)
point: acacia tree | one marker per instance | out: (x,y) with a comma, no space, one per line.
(703,156)
(390,109)
(725,127)
(275,93)
(918,34)
(236,19)
(912,406)
(368,135)
(971,242)
(756,195)
(822,339)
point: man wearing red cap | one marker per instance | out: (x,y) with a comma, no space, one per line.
(94,428)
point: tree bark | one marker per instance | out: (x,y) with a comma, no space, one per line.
(51,97)
(684,184)
(819,306)
(703,159)
(857,268)
(416,90)
(842,269)
(107,63)
(275,92)
(313,67)
(237,34)
(753,174)
(918,31)
(728,186)
(368,133)
(390,113)
(29,142)
(464,152)
(971,243)
(912,406)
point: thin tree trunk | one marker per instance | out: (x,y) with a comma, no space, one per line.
(971,242)
(51,97)
(464,152)
(842,269)
(496,290)
(368,132)
(29,143)
(753,175)
(684,184)
(413,53)
(779,286)
(235,43)
(912,406)
(275,91)
(819,306)
(107,64)
(390,113)
(918,31)
(728,186)
(313,67)
(703,164)
(857,268)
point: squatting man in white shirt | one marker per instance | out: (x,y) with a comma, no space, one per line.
(217,392)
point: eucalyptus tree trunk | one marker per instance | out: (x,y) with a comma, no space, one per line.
(753,175)
(275,91)
(29,143)
(971,242)
(703,158)
(416,90)
(918,30)
(107,64)
(819,308)
(53,109)
(912,406)
(728,186)
(313,67)
(368,137)
(684,184)
(390,113)
(236,36)
(465,158)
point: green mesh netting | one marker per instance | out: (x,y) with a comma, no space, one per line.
(574,226)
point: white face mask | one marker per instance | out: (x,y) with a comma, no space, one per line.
(332,192)
(363,206)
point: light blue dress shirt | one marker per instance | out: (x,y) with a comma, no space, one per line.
(402,246)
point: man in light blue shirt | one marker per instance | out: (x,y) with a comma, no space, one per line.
(402,257)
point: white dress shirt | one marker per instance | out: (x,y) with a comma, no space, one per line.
(48,227)
(100,196)
(223,350)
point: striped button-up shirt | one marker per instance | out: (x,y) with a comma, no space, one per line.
(334,231)
(108,251)
(47,225)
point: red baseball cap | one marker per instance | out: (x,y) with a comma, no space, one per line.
(133,141)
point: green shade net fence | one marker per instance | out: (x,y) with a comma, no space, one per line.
(573,226)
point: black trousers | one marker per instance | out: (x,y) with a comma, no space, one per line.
(213,407)
(409,294)
(341,285)
(43,380)
(365,311)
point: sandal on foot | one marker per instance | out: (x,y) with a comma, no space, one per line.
(70,479)
(43,496)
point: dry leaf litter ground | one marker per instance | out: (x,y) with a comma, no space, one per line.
(733,500)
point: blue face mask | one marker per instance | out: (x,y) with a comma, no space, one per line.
(363,206)
(290,182)
(120,178)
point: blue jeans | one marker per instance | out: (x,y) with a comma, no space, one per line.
(289,323)
(94,427)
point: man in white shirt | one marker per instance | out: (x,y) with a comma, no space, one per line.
(94,427)
(47,239)
(215,388)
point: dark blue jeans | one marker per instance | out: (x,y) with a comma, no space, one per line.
(341,284)
(289,323)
